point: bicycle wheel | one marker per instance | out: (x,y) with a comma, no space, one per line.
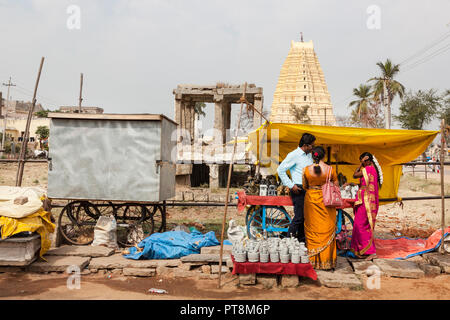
(77,221)
(134,224)
(277,222)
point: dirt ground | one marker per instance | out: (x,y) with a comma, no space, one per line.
(414,219)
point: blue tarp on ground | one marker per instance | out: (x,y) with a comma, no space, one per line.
(172,245)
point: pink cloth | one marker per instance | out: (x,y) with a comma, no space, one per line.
(362,231)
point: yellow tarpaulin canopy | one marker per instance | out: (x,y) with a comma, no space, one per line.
(273,141)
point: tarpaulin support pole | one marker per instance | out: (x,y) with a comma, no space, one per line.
(230,169)
(441,249)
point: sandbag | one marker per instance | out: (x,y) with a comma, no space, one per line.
(105,232)
(235,232)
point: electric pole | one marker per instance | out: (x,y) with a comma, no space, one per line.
(81,89)
(9,85)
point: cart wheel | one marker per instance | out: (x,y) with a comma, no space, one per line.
(77,222)
(277,222)
(159,217)
(134,224)
(347,221)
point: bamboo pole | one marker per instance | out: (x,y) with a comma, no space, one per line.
(23,150)
(230,169)
(442,184)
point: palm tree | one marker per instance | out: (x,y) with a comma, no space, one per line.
(386,87)
(362,104)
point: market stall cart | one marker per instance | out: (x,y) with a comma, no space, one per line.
(111,164)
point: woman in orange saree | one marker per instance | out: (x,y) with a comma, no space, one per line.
(320,221)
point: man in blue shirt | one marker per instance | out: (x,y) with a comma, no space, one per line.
(295,162)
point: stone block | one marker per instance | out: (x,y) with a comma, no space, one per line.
(215,269)
(364,267)
(206,269)
(207,276)
(188,196)
(247,279)
(59,264)
(431,270)
(216,249)
(338,279)
(289,281)
(201,197)
(19,251)
(118,261)
(164,270)
(20,200)
(139,272)
(184,274)
(342,265)
(438,259)
(205,258)
(399,268)
(268,281)
(81,251)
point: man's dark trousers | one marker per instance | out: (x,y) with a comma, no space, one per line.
(296,228)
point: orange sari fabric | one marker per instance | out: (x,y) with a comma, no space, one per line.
(320,221)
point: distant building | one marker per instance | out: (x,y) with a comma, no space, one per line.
(72,109)
(15,109)
(302,83)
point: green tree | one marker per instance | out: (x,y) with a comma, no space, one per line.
(43,133)
(386,88)
(199,108)
(446,106)
(361,105)
(42,113)
(300,114)
(418,109)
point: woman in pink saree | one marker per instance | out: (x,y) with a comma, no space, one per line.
(366,207)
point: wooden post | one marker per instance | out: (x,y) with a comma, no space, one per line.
(81,89)
(230,169)
(425,160)
(23,150)
(442,184)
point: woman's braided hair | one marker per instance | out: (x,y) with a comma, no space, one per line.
(318,153)
(376,165)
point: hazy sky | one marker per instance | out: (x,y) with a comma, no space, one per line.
(134,53)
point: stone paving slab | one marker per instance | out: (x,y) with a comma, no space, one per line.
(362,267)
(139,272)
(399,268)
(216,249)
(343,265)
(81,251)
(215,269)
(338,279)
(118,261)
(58,264)
(206,258)
(438,259)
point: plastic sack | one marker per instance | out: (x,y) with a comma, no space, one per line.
(105,232)
(235,232)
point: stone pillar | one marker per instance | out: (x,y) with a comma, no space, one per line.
(258,104)
(222,123)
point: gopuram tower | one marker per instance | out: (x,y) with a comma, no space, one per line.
(301,83)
